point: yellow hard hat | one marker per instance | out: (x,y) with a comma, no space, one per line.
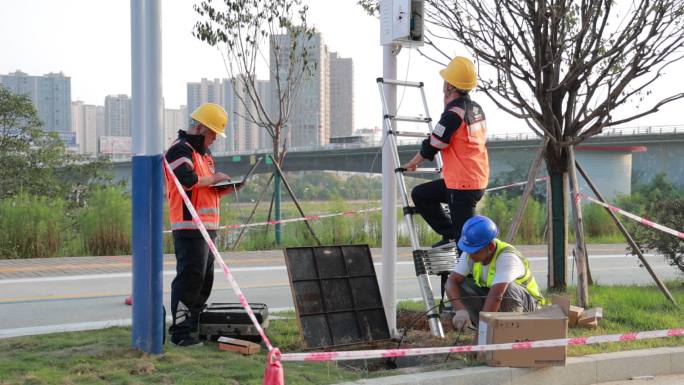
(213,116)
(460,73)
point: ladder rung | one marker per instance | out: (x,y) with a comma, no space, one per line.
(399,82)
(417,119)
(425,169)
(412,134)
(418,170)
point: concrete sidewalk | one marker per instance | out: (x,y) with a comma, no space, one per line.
(586,370)
(65,266)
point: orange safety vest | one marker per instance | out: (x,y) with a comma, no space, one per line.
(204,199)
(465,160)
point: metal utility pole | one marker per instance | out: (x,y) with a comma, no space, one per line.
(148,189)
(389,199)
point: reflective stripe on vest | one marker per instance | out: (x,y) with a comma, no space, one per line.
(205,199)
(526,280)
(466,164)
(190,225)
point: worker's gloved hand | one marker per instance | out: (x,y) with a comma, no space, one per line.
(461,319)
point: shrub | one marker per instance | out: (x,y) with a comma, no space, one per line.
(668,213)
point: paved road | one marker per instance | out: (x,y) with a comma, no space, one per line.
(47,295)
(676,379)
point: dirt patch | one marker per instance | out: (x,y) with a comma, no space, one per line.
(414,332)
(417,321)
(143,368)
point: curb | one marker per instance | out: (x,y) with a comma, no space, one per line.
(584,370)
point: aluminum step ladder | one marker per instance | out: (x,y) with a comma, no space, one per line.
(419,254)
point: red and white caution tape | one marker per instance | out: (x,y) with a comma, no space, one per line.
(515,184)
(387,353)
(344,213)
(306,218)
(217,256)
(639,219)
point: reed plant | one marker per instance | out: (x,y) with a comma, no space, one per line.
(105,222)
(31,226)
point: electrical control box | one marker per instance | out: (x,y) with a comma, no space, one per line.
(401,22)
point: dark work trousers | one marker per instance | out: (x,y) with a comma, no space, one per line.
(192,286)
(515,299)
(427,198)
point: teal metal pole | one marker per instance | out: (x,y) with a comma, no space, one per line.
(559,229)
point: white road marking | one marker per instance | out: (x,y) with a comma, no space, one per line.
(85,277)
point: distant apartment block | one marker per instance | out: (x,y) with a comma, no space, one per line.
(84,119)
(266,96)
(210,91)
(309,123)
(241,133)
(100,122)
(117,115)
(51,96)
(174,120)
(248,134)
(341,96)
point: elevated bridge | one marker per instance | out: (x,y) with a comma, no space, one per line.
(612,159)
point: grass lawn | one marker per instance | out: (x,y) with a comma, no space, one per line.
(105,356)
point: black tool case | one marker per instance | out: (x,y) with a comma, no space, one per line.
(231,320)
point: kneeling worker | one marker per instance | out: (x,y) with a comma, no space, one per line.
(501,277)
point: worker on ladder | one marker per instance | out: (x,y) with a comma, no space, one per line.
(460,136)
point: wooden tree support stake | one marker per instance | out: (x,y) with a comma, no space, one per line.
(531,176)
(581,256)
(296,202)
(628,237)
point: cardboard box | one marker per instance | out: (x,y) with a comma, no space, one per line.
(574,315)
(239,346)
(590,317)
(546,324)
(563,301)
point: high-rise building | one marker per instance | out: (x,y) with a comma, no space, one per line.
(211,91)
(206,91)
(174,120)
(84,124)
(266,96)
(99,124)
(341,96)
(233,107)
(117,115)
(51,96)
(247,132)
(241,133)
(309,122)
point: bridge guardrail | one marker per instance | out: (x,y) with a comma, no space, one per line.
(517,136)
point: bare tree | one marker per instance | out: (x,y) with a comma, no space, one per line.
(569,68)
(252,34)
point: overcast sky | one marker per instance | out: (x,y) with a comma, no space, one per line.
(89,40)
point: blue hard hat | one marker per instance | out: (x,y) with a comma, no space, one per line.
(477,233)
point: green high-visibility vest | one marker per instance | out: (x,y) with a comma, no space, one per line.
(526,280)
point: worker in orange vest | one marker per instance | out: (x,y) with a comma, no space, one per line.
(460,136)
(191,161)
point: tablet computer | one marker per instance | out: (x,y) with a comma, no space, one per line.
(234,183)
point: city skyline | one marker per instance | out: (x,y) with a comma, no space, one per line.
(102,128)
(104,69)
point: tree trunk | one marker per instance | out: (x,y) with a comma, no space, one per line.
(276,191)
(557,200)
(276,211)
